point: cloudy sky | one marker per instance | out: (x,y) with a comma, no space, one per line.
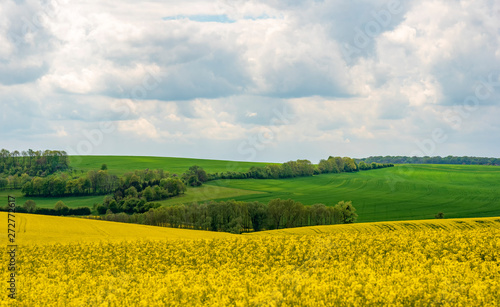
(251,80)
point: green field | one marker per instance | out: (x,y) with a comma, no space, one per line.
(403,192)
(210,192)
(120,165)
(49,202)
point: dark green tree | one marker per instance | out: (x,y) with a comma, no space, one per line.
(275,213)
(347,211)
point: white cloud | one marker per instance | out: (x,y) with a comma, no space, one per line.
(180,83)
(61,132)
(140,127)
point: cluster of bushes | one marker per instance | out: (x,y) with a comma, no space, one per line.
(69,211)
(433,160)
(338,165)
(127,206)
(143,178)
(132,184)
(195,176)
(136,193)
(374,165)
(59,209)
(236,216)
(149,185)
(33,163)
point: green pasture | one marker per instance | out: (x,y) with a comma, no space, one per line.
(209,192)
(404,192)
(49,202)
(120,165)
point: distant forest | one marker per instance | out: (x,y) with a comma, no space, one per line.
(33,162)
(432,160)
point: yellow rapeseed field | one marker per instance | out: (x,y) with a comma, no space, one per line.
(44,229)
(417,263)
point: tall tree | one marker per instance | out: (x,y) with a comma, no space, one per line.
(4,154)
(276,211)
(15,156)
(292,211)
(348,211)
(31,155)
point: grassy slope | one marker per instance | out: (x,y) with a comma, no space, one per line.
(209,192)
(120,165)
(399,193)
(49,202)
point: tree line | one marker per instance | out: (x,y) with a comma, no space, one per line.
(57,185)
(299,168)
(59,209)
(466,160)
(238,216)
(32,162)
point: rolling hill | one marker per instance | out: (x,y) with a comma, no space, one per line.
(404,192)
